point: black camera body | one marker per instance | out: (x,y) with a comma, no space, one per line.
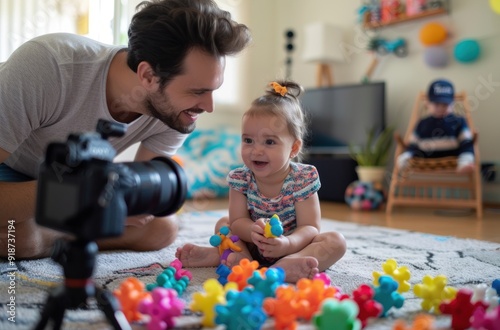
(82,192)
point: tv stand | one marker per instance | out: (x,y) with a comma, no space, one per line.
(336,172)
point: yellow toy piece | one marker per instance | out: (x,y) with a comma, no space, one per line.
(433,291)
(399,274)
(215,294)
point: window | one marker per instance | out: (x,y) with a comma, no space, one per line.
(103,20)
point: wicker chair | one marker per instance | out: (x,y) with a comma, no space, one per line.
(434,182)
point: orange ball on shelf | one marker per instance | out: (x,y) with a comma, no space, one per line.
(433,34)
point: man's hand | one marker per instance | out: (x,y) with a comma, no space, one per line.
(139,220)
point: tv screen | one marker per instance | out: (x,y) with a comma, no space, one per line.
(343,114)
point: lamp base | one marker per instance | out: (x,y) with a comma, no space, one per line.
(324,76)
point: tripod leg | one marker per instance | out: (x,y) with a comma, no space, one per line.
(54,309)
(111,308)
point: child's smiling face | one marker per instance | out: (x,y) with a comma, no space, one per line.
(267,145)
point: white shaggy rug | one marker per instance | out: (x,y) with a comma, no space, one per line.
(466,263)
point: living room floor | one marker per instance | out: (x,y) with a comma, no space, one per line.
(445,222)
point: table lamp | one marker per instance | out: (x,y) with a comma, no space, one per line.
(322,46)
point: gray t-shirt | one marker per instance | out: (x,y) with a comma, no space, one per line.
(55,85)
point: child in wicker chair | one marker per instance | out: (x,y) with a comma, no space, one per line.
(442,133)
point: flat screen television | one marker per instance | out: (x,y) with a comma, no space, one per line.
(342,114)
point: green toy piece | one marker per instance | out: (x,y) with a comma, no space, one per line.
(338,315)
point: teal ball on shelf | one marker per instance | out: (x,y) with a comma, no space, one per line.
(366,196)
(467,51)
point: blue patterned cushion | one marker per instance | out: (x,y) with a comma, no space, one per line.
(207,157)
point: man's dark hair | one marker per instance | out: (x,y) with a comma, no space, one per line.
(162,33)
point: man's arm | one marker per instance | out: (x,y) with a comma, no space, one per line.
(17,199)
(143,154)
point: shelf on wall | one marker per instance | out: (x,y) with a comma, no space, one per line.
(403,18)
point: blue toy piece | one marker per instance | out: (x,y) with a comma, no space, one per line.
(386,294)
(223,271)
(339,315)
(496,285)
(216,240)
(243,310)
(273,227)
(267,284)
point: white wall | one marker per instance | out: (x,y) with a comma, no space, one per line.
(405,77)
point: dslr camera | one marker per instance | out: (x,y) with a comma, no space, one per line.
(82,192)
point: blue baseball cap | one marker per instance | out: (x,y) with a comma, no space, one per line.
(441,91)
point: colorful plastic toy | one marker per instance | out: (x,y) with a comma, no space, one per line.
(386,294)
(496,285)
(368,307)
(224,243)
(492,298)
(384,46)
(399,274)
(479,292)
(179,271)
(486,320)
(324,277)
(364,196)
(167,280)
(205,302)
(268,282)
(461,309)
(130,294)
(433,291)
(241,272)
(421,322)
(243,310)
(337,315)
(223,271)
(286,308)
(314,292)
(273,227)
(162,307)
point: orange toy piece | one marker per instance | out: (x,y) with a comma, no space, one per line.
(241,272)
(314,292)
(130,294)
(421,322)
(215,294)
(286,308)
(399,274)
(433,291)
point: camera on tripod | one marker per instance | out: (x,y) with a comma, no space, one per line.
(82,192)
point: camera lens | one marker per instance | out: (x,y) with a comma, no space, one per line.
(157,187)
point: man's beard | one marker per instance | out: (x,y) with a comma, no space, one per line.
(168,114)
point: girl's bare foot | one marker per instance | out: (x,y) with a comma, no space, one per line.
(298,267)
(234,258)
(191,255)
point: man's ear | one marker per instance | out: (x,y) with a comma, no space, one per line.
(146,76)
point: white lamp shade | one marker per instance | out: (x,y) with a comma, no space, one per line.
(322,43)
